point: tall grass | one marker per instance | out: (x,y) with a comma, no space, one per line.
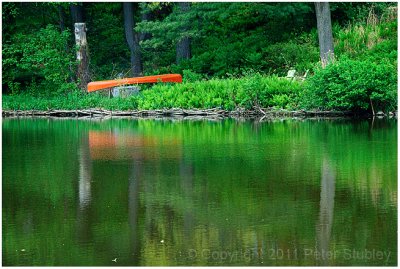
(364,38)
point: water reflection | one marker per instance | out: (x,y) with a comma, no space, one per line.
(327,202)
(147,192)
(85,173)
(84,228)
(186,172)
(133,200)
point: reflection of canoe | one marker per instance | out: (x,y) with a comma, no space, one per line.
(106,145)
(98,85)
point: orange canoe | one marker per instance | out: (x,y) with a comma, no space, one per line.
(99,85)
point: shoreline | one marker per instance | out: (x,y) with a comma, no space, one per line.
(187,113)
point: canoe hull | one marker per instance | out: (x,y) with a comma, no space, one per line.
(99,85)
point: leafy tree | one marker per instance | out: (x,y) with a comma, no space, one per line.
(226,37)
(146,15)
(32,59)
(106,30)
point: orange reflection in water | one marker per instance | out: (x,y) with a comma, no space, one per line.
(109,145)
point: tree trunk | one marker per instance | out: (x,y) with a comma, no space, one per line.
(183,45)
(77,13)
(133,40)
(82,56)
(325,37)
(61,14)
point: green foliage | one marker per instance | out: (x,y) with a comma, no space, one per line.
(229,94)
(345,12)
(240,42)
(375,39)
(283,56)
(71,101)
(365,71)
(227,38)
(353,85)
(107,31)
(39,60)
(190,76)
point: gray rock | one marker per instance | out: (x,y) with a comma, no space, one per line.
(125,91)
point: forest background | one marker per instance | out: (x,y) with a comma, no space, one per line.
(231,55)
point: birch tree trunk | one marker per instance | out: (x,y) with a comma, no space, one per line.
(325,36)
(82,56)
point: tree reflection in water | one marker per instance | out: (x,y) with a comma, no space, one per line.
(327,202)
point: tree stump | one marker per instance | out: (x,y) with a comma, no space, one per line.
(82,55)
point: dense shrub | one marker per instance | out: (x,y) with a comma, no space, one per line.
(281,57)
(229,94)
(353,85)
(39,61)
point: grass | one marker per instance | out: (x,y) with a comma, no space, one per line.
(376,38)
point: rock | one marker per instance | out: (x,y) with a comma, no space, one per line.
(380,114)
(125,91)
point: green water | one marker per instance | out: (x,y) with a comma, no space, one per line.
(162,192)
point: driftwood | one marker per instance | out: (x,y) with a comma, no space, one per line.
(216,113)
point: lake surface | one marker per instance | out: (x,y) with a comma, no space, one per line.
(162,192)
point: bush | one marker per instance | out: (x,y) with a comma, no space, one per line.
(353,85)
(246,92)
(190,76)
(38,61)
(283,56)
